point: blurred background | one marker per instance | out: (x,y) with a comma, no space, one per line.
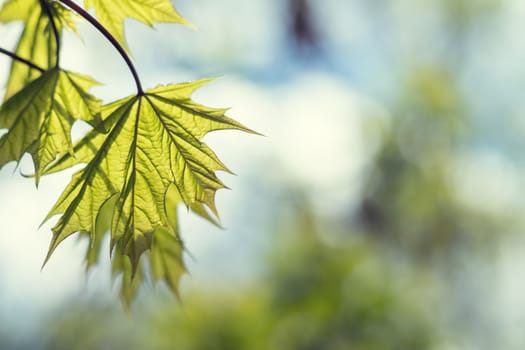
(383,208)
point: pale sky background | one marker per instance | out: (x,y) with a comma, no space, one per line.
(320,125)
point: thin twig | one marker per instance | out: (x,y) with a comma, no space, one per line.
(110,38)
(47,10)
(22,60)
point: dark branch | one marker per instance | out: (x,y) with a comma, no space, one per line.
(109,37)
(47,10)
(23,60)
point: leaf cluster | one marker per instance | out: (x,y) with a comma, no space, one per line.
(143,156)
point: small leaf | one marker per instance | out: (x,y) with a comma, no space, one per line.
(39,117)
(66,17)
(166,259)
(129,281)
(151,159)
(37,43)
(113,13)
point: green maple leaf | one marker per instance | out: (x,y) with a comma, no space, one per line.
(39,117)
(150,160)
(37,42)
(113,13)
(165,262)
(165,257)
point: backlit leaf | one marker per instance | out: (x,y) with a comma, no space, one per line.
(37,43)
(150,159)
(113,13)
(165,257)
(39,117)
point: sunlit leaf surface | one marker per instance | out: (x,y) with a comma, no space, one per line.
(151,159)
(39,117)
(37,42)
(113,13)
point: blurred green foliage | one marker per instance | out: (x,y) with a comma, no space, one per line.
(410,200)
(314,295)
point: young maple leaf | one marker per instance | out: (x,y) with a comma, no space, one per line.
(165,262)
(111,14)
(150,159)
(37,43)
(165,258)
(39,117)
